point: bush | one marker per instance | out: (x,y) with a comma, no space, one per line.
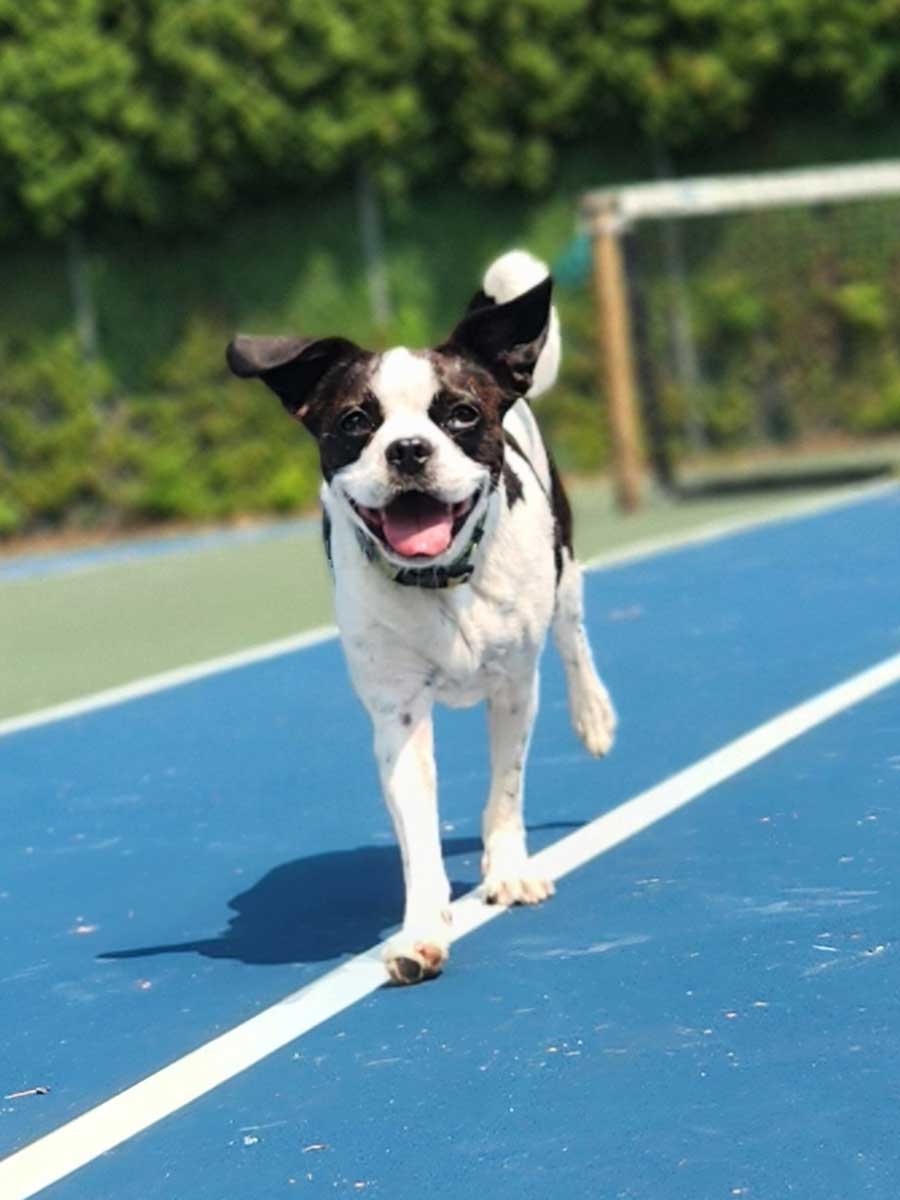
(796,321)
(76,452)
(50,416)
(877,410)
(573,415)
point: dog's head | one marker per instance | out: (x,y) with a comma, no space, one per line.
(411,442)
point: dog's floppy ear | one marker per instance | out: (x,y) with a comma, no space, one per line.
(292,367)
(507,338)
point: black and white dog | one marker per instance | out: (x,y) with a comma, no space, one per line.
(450,539)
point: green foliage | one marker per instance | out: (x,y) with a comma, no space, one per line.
(573,415)
(728,414)
(728,307)
(207,446)
(171,111)
(863,305)
(877,410)
(157,430)
(795,316)
(201,446)
(160,130)
(49,427)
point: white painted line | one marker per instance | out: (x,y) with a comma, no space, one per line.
(150,684)
(100,1129)
(167,679)
(15,568)
(716,530)
(630,818)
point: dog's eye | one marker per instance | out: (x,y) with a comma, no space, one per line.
(356,422)
(463,417)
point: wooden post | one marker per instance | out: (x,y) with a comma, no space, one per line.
(617,366)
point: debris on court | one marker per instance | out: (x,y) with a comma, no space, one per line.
(35,1091)
(874,952)
(631,613)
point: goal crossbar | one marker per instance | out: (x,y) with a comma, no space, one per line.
(707,195)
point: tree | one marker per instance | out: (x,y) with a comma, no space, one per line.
(169,111)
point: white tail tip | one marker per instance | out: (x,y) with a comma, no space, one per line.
(512,274)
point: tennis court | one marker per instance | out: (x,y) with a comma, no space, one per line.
(193,881)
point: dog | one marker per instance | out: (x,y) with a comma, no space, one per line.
(450,540)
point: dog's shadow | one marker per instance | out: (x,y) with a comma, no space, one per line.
(315,909)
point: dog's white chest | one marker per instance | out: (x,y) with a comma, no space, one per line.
(481,645)
(464,642)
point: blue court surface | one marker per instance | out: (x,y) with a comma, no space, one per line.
(709,1009)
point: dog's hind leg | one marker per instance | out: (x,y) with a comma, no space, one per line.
(593,715)
(506,868)
(404,748)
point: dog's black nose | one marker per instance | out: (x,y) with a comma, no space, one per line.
(409,455)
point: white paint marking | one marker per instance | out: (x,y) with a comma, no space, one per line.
(100,1129)
(243,658)
(167,679)
(716,530)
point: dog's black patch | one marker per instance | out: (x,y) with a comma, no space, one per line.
(326,533)
(558,501)
(514,484)
(347,417)
(513,442)
(562,517)
(514,489)
(466,383)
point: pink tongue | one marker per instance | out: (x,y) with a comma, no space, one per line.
(412,531)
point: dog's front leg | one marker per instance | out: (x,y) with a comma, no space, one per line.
(506,868)
(404,748)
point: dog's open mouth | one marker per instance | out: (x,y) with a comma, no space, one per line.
(416,525)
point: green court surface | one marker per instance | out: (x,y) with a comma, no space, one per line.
(66,635)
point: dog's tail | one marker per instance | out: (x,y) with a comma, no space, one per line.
(509,276)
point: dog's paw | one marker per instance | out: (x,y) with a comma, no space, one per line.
(412,959)
(594,718)
(510,890)
(507,874)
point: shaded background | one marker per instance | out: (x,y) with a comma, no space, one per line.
(171,170)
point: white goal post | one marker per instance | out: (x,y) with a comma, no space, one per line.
(606,214)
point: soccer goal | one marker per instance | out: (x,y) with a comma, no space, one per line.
(742,311)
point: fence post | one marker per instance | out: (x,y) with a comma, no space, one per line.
(373,248)
(82,294)
(616,362)
(656,442)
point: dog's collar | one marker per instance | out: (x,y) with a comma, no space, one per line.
(452,575)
